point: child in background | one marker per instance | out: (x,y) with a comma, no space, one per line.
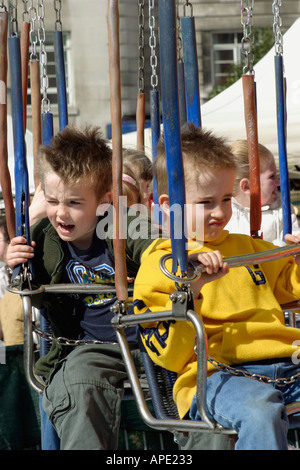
(240,309)
(271,210)
(130,187)
(137,165)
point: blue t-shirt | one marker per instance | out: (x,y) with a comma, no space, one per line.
(96,264)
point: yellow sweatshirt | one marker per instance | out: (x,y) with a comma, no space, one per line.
(241,312)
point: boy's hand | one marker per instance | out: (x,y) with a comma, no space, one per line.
(18,252)
(215,269)
(293,240)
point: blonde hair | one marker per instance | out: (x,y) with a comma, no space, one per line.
(75,154)
(240,152)
(139,163)
(139,167)
(201,150)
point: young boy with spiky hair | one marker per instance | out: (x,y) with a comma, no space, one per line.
(85,382)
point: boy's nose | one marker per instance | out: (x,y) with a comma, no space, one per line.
(62,211)
(218,212)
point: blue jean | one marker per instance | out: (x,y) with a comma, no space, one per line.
(254,409)
(49,437)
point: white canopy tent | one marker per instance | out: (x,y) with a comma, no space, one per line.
(224,114)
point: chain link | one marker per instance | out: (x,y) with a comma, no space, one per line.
(179,38)
(61,340)
(152,44)
(25,15)
(2,6)
(277,27)
(13,10)
(186,6)
(141,44)
(43,56)
(247,40)
(281,382)
(57,8)
(32,33)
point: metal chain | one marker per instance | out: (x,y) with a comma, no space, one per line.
(141,44)
(187,5)
(43,57)
(281,382)
(57,8)
(13,13)
(152,44)
(2,6)
(277,27)
(32,33)
(25,14)
(244,373)
(63,341)
(66,341)
(247,40)
(179,38)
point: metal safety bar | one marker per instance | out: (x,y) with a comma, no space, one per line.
(196,268)
(67,289)
(120,321)
(35,381)
(180,313)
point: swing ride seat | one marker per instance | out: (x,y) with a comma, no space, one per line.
(166,417)
(160,381)
(166,410)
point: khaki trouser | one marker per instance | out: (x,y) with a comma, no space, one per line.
(11,319)
(83,397)
(83,401)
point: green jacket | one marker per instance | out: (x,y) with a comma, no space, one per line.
(51,257)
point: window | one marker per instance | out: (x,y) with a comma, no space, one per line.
(52,89)
(226,51)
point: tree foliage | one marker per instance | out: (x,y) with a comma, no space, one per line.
(263,42)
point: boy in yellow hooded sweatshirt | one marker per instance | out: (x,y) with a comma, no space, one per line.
(240,310)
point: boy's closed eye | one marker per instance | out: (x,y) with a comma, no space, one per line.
(51,201)
(211,201)
(75,203)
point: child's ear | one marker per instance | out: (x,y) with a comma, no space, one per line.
(104,203)
(164,203)
(245,185)
(107,198)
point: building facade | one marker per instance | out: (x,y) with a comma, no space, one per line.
(84,24)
